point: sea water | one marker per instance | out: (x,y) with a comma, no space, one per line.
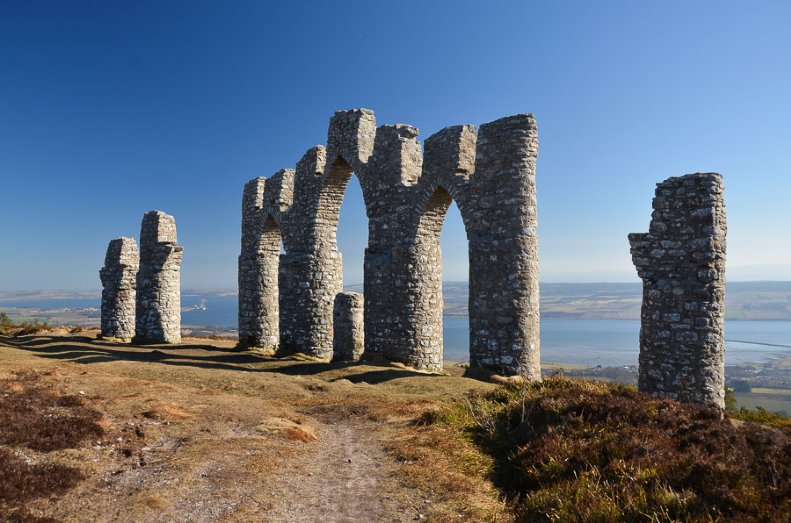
(576,342)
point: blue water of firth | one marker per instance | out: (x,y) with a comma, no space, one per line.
(576,342)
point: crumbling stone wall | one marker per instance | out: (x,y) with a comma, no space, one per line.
(489,172)
(681,261)
(158,281)
(348,328)
(118,277)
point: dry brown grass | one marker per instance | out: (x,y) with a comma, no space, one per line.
(184,423)
(165,411)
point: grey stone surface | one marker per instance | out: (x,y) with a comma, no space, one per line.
(119,284)
(348,328)
(158,281)
(681,261)
(258,273)
(490,174)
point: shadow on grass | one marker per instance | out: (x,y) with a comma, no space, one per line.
(85,350)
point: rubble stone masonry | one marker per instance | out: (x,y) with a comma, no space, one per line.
(349,331)
(488,171)
(681,261)
(118,277)
(158,281)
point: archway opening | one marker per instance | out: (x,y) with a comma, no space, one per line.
(342,207)
(328,265)
(434,331)
(455,286)
(352,235)
(269,249)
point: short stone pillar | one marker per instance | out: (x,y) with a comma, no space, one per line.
(118,277)
(681,261)
(348,327)
(159,281)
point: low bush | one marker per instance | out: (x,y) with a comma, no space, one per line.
(575,450)
(8,327)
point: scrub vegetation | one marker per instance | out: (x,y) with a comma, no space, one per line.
(576,450)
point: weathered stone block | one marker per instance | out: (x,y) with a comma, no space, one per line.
(349,331)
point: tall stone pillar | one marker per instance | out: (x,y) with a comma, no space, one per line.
(119,276)
(349,332)
(503,236)
(258,272)
(681,261)
(159,281)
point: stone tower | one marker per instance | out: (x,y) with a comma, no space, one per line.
(119,276)
(681,261)
(158,281)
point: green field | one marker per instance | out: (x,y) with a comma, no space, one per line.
(773,400)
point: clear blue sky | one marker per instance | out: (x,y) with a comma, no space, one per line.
(109,109)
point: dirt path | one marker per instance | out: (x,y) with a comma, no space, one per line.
(343,476)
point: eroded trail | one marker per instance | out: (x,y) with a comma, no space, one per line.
(343,476)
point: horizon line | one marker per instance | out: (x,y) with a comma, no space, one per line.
(235,289)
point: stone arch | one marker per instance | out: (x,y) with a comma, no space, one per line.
(311,275)
(333,190)
(489,172)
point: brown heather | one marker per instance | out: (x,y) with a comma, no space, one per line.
(572,450)
(34,417)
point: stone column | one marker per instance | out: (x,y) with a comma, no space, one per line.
(348,327)
(503,236)
(681,261)
(118,277)
(159,281)
(258,272)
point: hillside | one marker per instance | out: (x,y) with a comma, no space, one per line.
(198,431)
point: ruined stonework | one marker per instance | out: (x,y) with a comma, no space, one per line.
(681,261)
(348,327)
(488,171)
(118,277)
(258,273)
(158,281)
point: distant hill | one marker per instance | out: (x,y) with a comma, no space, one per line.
(766,300)
(760,300)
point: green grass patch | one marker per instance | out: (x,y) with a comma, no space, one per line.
(776,404)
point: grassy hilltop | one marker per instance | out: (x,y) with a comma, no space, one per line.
(198,431)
